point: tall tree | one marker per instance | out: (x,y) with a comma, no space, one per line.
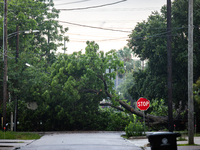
(81,82)
(148,41)
(37,48)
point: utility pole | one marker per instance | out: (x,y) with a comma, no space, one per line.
(16,60)
(190,75)
(169,66)
(5,64)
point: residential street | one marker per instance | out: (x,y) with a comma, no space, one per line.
(82,141)
(75,140)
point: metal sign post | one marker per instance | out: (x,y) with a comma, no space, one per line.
(143,104)
(144,120)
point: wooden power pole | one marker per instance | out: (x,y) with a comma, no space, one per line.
(169,66)
(5,64)
(190,75)
(16,60)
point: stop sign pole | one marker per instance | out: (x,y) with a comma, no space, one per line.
(143,104)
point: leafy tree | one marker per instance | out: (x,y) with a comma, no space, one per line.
(80,80)
(149,41)
(37,48)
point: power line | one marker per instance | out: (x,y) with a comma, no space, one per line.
(93,26)
(125,9)
(145,38)
(114,39)
(76,24)
(72,2)
(113,9)
(92,6)
(89,35)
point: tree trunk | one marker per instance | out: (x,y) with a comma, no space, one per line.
(153,120)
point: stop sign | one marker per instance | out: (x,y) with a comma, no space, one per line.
(143,104)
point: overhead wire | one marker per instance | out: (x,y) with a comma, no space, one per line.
(121,9)
(88,26)
(91,7)
(113,9)
(162,34)
(72,2)
(76,24)
(145,37)
(84,8)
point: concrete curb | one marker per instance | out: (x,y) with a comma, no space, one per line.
(13,144)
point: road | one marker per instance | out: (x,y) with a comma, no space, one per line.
(81,141)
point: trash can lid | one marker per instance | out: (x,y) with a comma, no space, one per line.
(163,133)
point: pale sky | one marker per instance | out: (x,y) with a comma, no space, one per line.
(122,17)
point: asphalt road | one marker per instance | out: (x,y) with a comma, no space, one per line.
(82,141)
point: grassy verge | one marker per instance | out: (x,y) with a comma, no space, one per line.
(124,136)
(181,138)
(187,145)
(19,135)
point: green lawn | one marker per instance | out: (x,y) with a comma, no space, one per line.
(19,135)
(187,145)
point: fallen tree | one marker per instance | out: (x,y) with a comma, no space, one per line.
(149,119)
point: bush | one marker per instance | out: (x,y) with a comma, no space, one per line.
(113,120)
(134,128)
(158,107)
(197,91)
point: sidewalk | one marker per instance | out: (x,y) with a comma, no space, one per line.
(13,144)
(143,143)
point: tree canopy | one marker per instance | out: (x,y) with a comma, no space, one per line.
(36,48)
(149,42)
(70,93)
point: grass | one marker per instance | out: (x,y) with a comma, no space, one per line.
(181,138)
(124,136)
(19,135)
(187,145)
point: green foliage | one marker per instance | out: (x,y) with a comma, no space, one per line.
(66,88)
(28,84)
(124,86)
(158,108)
(149,42)
(134,128)
(197,91)
(68,92)
(114,120)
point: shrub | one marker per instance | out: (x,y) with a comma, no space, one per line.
(134,128)
(197,91)
(113,120)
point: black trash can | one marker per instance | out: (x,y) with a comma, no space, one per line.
(163,140)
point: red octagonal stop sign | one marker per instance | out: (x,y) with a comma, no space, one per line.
(143,104)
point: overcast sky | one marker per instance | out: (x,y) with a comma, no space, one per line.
(120,17)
